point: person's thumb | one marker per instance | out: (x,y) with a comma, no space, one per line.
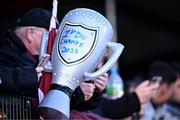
(39,69)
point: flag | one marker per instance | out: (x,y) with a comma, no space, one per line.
(45,80)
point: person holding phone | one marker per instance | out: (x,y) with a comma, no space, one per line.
(172,106)
(162,73)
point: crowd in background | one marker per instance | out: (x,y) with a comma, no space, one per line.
(161,104)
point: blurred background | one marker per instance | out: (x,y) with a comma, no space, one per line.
(149,29)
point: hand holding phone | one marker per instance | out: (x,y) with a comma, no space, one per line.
(44,60)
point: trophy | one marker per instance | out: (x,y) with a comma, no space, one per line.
(82,39)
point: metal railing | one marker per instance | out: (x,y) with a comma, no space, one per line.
(15,107)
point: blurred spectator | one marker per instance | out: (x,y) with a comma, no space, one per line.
(173,104)
(128,104)
(19,48)
(131,86)
(153,109)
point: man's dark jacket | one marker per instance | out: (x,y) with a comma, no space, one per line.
(17,67)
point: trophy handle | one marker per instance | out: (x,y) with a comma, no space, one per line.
(44,42)
(117,49)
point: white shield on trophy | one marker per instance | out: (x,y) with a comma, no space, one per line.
(76,43)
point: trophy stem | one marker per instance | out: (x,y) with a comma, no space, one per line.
(56,104)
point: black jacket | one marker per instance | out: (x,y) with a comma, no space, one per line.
(119,108)
(18,75)
(17,67)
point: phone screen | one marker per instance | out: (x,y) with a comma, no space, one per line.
(44,60)
(156,79)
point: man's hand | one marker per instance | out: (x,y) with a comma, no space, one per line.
(39,71)
(98,85)
(87,89)
(101,82)
(145,91)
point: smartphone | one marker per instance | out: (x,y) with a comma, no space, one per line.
(155,79)
(44,60)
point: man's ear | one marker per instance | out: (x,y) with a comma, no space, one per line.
(30,35)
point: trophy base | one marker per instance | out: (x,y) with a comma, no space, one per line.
(51,114)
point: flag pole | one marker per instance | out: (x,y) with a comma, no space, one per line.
(52,27)
(45,81)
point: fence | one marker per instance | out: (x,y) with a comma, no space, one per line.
(15,107)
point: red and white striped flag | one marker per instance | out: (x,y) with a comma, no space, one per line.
(45,81)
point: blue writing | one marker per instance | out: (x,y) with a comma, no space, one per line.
(80,44)
(76,42)
(66,34)
(64,50)
(73,31)
(83,37)
(65,41)
(78,34)
(76,51)
(72,42)
(69,50)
